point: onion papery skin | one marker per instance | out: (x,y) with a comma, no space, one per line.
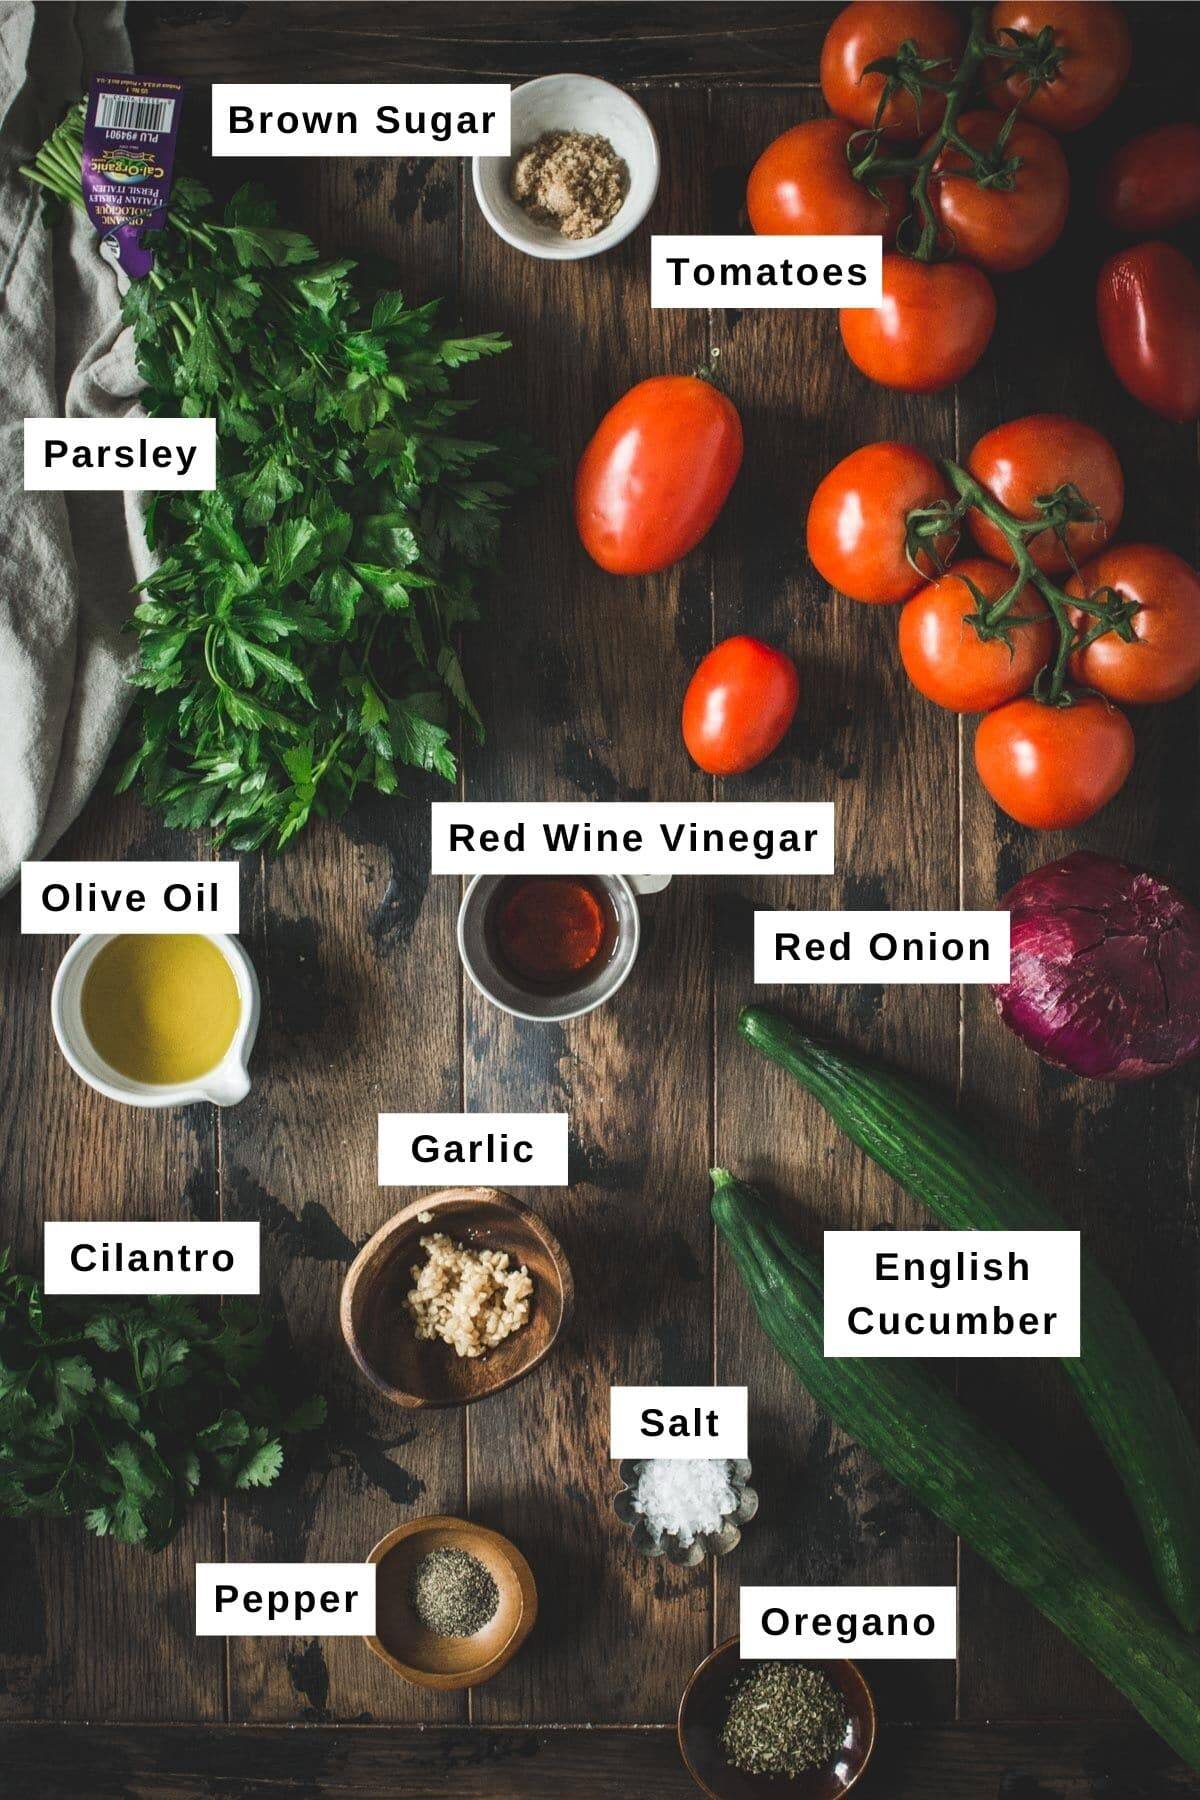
(1105,971)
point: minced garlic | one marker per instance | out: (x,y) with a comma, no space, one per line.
(470,1299)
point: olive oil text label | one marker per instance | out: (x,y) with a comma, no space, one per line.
(69,897)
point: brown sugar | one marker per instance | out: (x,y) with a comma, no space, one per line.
(570,179)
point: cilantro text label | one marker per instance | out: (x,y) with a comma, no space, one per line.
(122,1257)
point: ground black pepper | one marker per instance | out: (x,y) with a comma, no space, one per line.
(452,1593)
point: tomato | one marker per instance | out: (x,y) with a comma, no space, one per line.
(998,229)
(656,474)
(1053,766)
(739,704)
(1037,455)
(1164,659)
(1093,72)
(1152,183)
(946,659)
(869,29)
(933,324)
(1148,309)
(856,522)
(802,183)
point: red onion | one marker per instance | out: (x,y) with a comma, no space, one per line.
(1105,975)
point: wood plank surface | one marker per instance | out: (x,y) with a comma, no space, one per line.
(579,688)
(1067,1760)
(579,676)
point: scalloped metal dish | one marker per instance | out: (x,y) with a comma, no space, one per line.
(707,1543)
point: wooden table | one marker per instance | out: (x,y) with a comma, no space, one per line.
(579,676)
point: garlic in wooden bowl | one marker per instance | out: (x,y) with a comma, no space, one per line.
(685,1508)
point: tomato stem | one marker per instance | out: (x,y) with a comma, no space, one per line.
(1104,610)
(873,161)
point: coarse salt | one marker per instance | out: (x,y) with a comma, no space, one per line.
(684,1496)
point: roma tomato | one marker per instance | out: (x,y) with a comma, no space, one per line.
(656,473)
(802,183)
(1036,455)
(871,29)
(1152,183)
(856,523)
(946,659)
(1053,766)
(738,706)
(1163,661)
(932,325)
(1003,229)
(1094,36)
(1148,310)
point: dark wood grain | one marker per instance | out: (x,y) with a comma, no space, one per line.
(1071,1760)
(67,1597)
(573,689)
(579,676)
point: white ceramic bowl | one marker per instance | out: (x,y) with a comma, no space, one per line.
(570,103)
(225,1085)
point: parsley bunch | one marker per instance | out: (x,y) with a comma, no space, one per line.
(297,640)
(122,1410)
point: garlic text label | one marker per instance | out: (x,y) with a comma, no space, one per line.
(805,1624)
(779,272)
(918,948)
(632,837)
(121,1257)
(678,1421)
(360,118)
(952,1293)
(130,897)
(179,455)
(285,1599)
(453,1149)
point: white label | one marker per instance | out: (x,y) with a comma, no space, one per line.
(807,1624)
(117,1257)
(632,837)
(285,1599)
(360,118)
(952,1293)
(130,897)
(792,272)
(679,1421)
(105,454)
(453,1149)
(913,948)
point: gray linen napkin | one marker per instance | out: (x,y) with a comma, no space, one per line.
(67,561)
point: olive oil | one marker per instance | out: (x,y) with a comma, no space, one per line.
(161,1009)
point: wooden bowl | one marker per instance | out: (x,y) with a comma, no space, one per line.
(379,1332)
(420,1655)
(702,1718)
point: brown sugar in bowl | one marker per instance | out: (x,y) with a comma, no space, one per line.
(380,1333)
(419,1655)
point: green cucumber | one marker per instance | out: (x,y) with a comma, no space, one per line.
(1130,1403)
(969,1478)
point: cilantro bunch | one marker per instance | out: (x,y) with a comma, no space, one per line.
(123,1410)
(297,640)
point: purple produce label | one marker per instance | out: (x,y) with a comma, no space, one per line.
(128,150)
